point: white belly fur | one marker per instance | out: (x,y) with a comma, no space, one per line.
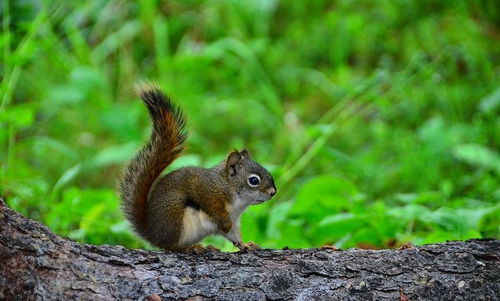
(196,226)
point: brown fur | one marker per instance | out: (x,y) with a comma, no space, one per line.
(167,204)
(164,147)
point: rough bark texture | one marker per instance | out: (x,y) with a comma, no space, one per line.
(36,264)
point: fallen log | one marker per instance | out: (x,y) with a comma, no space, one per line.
(36,264)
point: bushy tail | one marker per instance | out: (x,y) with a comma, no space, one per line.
(165,145)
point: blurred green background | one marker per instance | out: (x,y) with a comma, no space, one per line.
(378,119)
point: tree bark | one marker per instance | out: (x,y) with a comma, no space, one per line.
(36,264)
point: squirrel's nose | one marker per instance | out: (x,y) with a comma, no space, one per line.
(272,191)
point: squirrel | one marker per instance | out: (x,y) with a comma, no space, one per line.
(176,211)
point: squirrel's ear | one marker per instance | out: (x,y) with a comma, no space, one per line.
(245,154)
(232,161)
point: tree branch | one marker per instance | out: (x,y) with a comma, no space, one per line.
(36,264)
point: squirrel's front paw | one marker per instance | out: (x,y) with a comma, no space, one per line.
(248,247)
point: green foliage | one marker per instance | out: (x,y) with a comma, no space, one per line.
(379,120)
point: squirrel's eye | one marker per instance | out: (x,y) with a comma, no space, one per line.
(253,180)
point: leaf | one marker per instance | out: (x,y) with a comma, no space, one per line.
(490,102)
(478,155)
(292,235)
(51,145)
(473,216)
(66,178)
(19,115)
(408,212)
(322,196)
(115,154)
(448,219)
(336,226)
